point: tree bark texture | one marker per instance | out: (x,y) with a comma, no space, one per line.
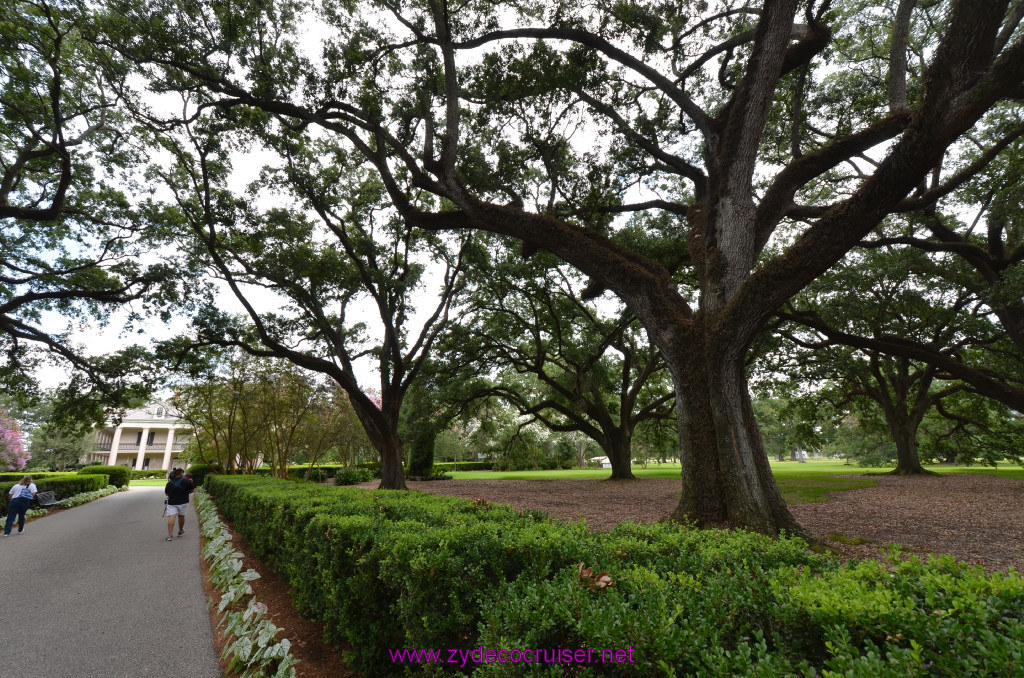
(726,478)
(620,453)
(392,476)
(381,428)
(907,460)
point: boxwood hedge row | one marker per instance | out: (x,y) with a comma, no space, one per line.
(149,473)
(348,475)
(386,570)
(36,476)
(120,476)
(448,467)
(62,484)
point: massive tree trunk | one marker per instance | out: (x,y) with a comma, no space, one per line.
(392,477)
(381,428)
(620,453)
(907,460)
(727,480)
(905,412)
(903,427)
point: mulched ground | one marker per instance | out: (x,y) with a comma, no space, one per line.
(974,518)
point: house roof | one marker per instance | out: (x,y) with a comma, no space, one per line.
(160,411)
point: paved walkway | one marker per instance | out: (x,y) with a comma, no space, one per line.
(96,592)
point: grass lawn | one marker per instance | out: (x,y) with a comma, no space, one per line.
(148,482)
(799,483)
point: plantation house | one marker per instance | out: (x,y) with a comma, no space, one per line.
(149,437)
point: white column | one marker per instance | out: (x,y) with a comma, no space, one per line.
(167,448)
(114,444)
(142,449)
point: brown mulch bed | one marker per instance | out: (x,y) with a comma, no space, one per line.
(977,519)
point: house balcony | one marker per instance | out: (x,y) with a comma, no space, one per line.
(177,446)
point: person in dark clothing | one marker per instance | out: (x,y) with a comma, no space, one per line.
(178,490)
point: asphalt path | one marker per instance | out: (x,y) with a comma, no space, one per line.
(96,591)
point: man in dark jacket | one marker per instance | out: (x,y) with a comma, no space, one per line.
(178,489)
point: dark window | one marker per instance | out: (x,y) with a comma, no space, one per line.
(138,440)
(152,436)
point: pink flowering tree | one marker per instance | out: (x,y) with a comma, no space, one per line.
(13,455)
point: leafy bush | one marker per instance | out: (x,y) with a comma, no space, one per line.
(353,476)
(200,471)
(315,475)
(373,466)
(318,474)
(387,570)
(36,477)
(150,473)
(86,497)
(448,467)
(119,475)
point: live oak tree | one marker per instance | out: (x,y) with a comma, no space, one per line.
(555,358)
(973,238)
(331,247)
(742,122)
(969,428)
(885,293)
(70,238)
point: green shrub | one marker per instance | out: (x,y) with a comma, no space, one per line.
(314,475)
(353,476)
(150,473)
(200,471)
(448,467)
(119,475)
(394,569)
(36,477)
(373,466)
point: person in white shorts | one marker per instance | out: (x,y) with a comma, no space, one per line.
(178,490)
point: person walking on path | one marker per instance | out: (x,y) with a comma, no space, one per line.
(178,490)
(21,497)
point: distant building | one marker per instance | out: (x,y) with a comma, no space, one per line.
(149,437)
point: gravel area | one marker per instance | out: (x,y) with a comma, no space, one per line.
(974,518)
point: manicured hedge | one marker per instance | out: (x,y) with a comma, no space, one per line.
(149,473)
(62,484)
(448,467)
(200,471)
(17,476)
(119,475)
(392,569)
(321,472)
(352,476)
